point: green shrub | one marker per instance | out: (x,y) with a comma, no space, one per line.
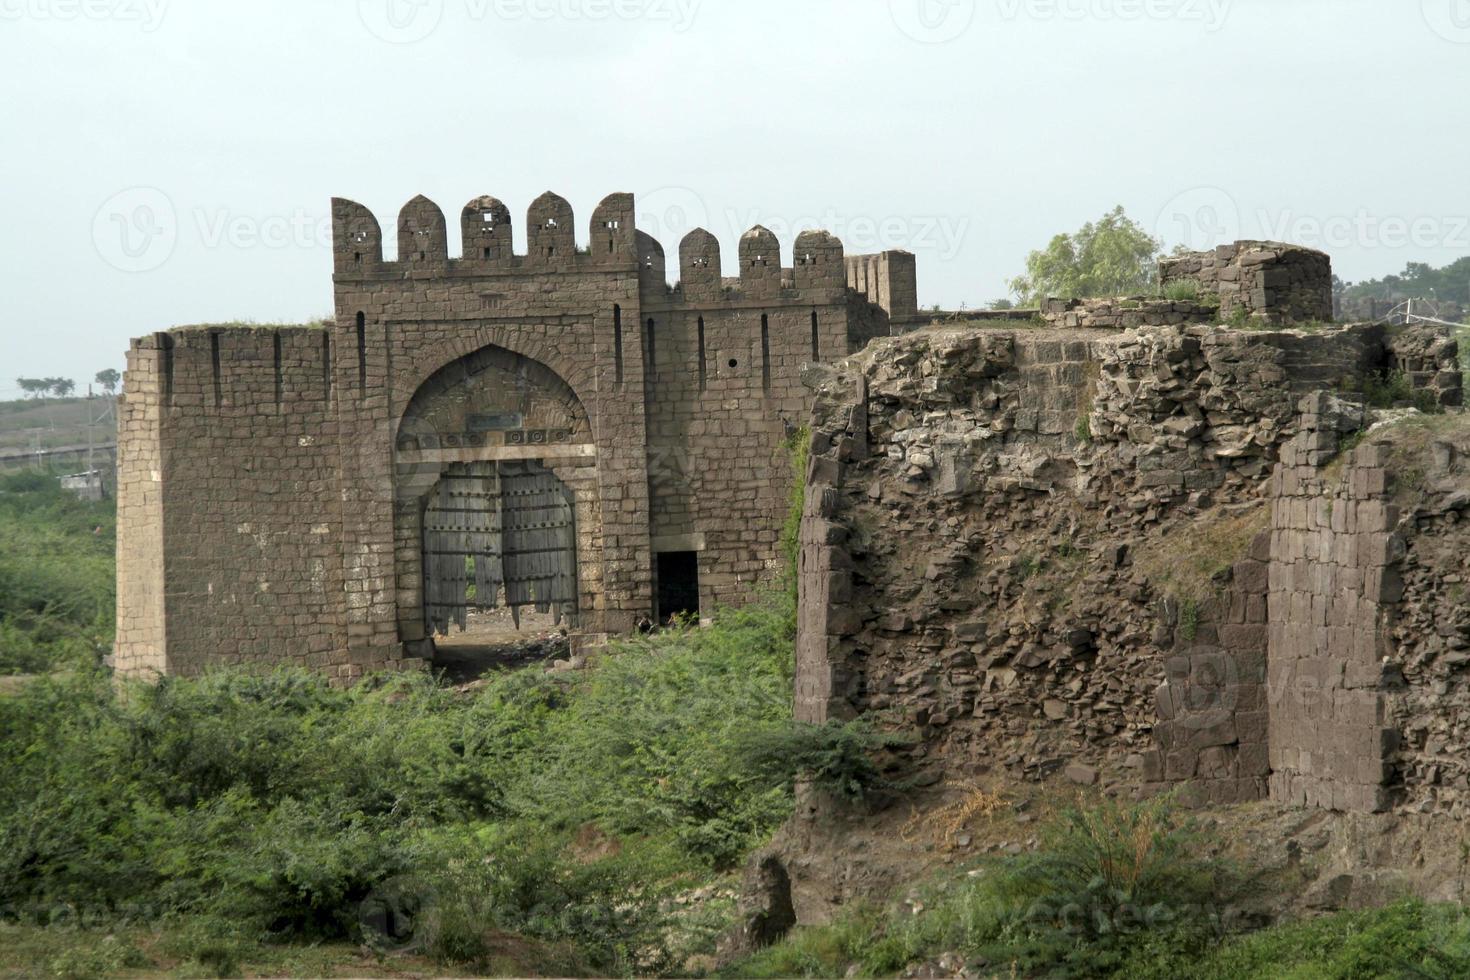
(1181,290)
(1394,389)
(56,576)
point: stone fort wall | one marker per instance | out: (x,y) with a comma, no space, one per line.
(1144,559)
(273,480)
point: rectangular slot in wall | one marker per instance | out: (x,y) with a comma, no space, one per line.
(276,356)
(617,345)
(702,371)
(816,344)
(765,352)
(326,366)
(166,368)
(219,397)
(361,356)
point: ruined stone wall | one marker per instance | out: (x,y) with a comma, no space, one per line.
(888,280)
(1121,314)
(1053,551)
(1269,281)
(1427,636)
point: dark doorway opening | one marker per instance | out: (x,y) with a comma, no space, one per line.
(678,584)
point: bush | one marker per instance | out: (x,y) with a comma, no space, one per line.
(56,576)
(275,806)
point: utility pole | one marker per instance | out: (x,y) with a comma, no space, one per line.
(90,440)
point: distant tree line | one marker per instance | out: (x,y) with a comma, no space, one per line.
(65,387)
(1419,280)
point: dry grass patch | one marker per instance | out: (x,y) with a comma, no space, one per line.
(1189,567)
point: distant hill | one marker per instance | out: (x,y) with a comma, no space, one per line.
(29,424)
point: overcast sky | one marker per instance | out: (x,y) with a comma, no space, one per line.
(171,161)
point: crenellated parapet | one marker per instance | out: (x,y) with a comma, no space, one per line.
(487,239)
(820,274)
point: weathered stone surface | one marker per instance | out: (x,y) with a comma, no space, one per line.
(272,481)
(1104,470)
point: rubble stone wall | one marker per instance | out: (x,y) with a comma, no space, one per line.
(1057,551)
(1269,281)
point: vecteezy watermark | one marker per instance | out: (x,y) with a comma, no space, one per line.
(300,229)
(407,21)
(136,230)
(1450,19)
(148,14)
(400,21)
(1199,218)
(669,213)
(932,21)
(1364,229)
(941,235)
(1210,13)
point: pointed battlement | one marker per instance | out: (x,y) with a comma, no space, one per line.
(614,244)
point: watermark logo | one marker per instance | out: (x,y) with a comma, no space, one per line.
(932,21)
(940,235)
(668,214)
(1450,19)
(1364,229)
(147,14)
(1199,218)
(392,918)
(400,21)
(136,229)
(408,21)
(1212,14)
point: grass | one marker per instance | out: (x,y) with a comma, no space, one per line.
(322,323)
(1190,571)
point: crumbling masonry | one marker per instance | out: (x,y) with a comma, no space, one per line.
(1150,552)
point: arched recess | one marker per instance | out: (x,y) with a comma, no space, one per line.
(489,423)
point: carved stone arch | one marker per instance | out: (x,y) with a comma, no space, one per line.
(431,359)
(484,437)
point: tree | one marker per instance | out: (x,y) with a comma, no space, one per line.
(1112,257)
(61,387)
(34,387)
(108,380)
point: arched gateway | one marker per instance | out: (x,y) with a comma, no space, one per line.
(561,429)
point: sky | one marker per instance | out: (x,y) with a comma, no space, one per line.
(172,161)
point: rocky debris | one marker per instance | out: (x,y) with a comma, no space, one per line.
(765,911)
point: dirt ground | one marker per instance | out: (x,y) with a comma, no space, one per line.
(492,641)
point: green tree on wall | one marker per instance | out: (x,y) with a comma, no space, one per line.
(1113,256)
